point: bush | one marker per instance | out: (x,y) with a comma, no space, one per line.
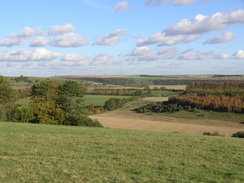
(212,134)
(21,114)
(80,120)
(239,134)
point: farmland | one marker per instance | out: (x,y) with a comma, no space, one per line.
(178,116)
(50,153)
(132,146)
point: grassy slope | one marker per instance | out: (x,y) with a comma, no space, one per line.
(45,153)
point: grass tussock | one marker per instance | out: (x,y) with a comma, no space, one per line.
(48,153)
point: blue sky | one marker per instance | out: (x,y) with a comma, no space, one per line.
(111,37)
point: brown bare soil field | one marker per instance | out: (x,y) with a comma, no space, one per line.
(122,119)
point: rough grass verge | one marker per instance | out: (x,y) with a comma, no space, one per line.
(48,153)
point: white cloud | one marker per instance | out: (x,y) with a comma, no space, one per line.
(145,54)
(41,54)
(70,40)
(183,2)
(149,57)
(121,6)
(172,2)
(40,41)
(74,59)
(15,55)
(28,32)
(22,55)
(239,54)
(143,50)
(56,30)
(223,38)
(223,56)
(111,39)
(13,40)
(162,39)
(167,52)
(104,59)
(192,55)
(202,24)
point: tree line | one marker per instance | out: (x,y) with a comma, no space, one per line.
(208,86)
(112,81)
(181,81)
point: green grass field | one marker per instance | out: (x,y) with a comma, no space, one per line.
(99,100)
(49,153)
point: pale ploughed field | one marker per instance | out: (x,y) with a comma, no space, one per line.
(124,119)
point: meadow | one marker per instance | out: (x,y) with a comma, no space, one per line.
(99,100)
(50,153)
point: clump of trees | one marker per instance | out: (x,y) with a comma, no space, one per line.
(216,96)
(211,102)
(223,97)
(59,103)
(51,103)
(115,103)
(22,78)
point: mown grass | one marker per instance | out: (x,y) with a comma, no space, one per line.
(45,153)
(203,114)
(99,100)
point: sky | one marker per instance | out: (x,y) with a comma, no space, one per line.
(113,37)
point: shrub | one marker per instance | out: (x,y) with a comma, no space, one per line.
(239,134)
(212,134)
(21,114)
(81,120)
